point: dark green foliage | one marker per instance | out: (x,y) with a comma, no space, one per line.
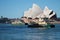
(5,20)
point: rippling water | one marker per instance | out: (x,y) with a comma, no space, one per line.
(8,32)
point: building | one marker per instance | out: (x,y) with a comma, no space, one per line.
(36,11)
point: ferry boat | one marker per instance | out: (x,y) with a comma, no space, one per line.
(41,26)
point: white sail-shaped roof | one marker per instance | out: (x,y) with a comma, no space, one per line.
(36,11)
(28,13)
(33,12)
(47,11)
(52,15)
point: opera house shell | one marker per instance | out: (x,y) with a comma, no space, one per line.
(36,11)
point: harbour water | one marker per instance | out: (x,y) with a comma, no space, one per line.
(8,32)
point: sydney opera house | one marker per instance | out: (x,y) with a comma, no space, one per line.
(37,12)
(37,15)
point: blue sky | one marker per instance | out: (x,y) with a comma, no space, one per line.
(16,8)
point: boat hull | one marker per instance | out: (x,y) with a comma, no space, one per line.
(40,26)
